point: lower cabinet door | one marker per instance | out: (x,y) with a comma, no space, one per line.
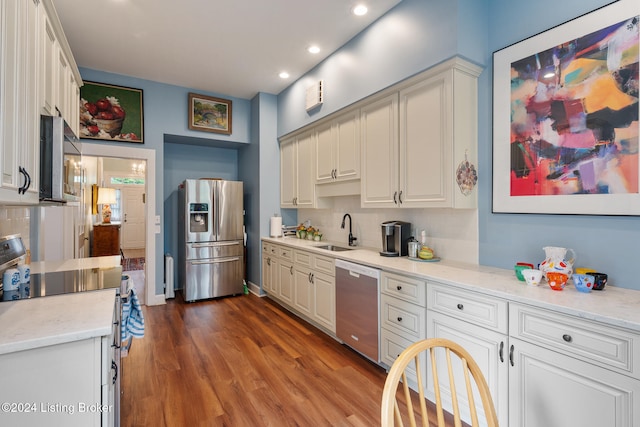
(286,281)
(324,302)
(303,290)
(551,389)
(490,351)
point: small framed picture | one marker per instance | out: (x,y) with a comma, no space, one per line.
(209,114)
(111,113)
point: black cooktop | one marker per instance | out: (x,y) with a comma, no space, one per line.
(65,282)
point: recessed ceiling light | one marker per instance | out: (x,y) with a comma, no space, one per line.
(284,75)
(313,49)
(360,10)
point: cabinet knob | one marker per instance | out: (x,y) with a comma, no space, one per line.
(399,287)
(460,307)
(567,338)
(399,319)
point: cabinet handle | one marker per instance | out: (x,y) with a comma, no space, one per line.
(269,261)
(28,181)
(313,278)
(115,368)
(309,278)
(501,349)
(567,338)
(21,190)
(399,287)
(460,307)
(400,197)
(511,355)
(395,196)
(399,319)
(291,270)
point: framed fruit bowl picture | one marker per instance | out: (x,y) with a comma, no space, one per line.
(209,114)
(565,117)
(111,113)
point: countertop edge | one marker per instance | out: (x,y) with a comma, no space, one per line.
(35,323)
(614,306)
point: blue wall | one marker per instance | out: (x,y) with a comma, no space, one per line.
(606,243)
(165,115)
(417,34)
(190,162)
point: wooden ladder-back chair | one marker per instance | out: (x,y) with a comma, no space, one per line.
(390,410)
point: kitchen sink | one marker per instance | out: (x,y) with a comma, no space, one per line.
(333,248)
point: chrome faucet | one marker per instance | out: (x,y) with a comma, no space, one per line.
(351,238)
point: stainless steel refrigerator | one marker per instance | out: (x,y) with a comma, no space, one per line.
(211,238)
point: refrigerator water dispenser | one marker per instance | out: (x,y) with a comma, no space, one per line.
(198,217)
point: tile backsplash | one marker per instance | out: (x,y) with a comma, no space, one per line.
(15,221)
(453,233)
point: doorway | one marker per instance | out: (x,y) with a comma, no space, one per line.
(148,156)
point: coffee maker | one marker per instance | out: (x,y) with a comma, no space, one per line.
(395,238)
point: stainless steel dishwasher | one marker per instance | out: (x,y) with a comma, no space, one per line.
(357,307)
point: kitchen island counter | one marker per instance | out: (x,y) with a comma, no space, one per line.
(39,322)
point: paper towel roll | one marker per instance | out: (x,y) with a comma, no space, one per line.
(276,226)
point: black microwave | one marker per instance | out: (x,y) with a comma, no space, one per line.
(60,162)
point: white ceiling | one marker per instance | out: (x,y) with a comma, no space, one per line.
(234,47)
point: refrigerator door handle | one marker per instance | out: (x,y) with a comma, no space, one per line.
(213,244)
(214,261)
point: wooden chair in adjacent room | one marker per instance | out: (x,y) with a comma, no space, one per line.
(468,373)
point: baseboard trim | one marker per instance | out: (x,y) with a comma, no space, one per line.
(157,299)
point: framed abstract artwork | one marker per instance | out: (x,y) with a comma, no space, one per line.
(565,117)
(209,114)
(111,113)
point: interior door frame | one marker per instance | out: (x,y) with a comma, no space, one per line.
(118,151)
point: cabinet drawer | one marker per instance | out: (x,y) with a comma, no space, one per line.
(403,317)
(285,253)
(266,248)
(472,307)
(324,264)
(606,346)
(302,258)
(391,345)
(403,287)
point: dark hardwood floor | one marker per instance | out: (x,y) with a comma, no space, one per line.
(243,361)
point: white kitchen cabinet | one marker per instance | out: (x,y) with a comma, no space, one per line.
(338,148)
(70,384)
(29,33)
(402,316)
(479,324)
(61,81)
(19,115)
(551,389)
(571,371)
(297,182)
(379,138)
(269,270)
(305,283)
(286,279)
(414,138)
(303,290)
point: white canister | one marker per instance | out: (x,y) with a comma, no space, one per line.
(11,280)
(25,273)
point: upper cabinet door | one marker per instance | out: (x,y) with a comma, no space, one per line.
(306,170)
(325,153)
(379,138)
(347,146)
(288,174)
(425,142)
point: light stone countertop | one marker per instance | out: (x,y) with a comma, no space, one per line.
(614,306)
(39,322)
